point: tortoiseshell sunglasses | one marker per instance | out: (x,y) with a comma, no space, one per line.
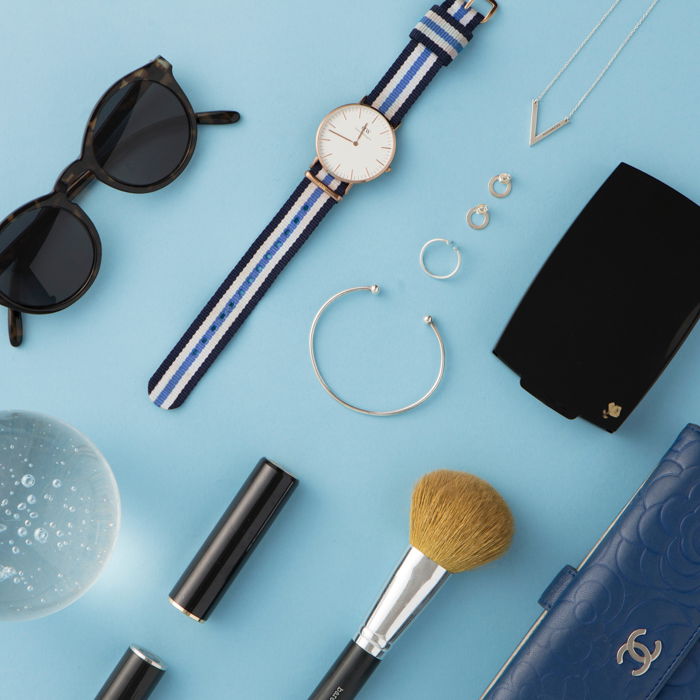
(140,137)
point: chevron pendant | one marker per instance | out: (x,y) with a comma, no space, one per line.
(534,136)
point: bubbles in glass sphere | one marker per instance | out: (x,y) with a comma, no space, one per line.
(59,515)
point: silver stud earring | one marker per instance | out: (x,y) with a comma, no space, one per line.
(502,179)
(482,210)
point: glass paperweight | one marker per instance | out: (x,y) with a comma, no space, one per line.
(59,514)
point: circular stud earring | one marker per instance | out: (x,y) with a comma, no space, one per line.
(502,179)
(482,210)
(428,320)
(421,258)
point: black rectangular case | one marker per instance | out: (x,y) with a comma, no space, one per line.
(612,304)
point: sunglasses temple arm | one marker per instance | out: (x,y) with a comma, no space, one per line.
(15,327)
(221,117)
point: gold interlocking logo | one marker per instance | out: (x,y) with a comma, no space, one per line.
(612,411)
(639,652)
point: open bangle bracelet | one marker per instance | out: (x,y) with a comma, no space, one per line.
(427,319)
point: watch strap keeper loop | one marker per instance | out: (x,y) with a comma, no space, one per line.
(311,177)
(440,31)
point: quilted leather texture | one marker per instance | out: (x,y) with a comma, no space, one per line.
(645,574)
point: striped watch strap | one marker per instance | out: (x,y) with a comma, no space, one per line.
(435,42)
(237,296)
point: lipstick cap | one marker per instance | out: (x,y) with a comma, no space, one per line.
(232,540)
(135,676)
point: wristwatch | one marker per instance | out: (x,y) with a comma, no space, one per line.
(355,143)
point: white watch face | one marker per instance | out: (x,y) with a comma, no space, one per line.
(355,143)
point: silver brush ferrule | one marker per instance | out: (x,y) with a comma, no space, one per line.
(414,583)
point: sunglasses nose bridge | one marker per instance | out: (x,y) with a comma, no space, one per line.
(73,180)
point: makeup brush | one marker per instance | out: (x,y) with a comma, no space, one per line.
(458,522)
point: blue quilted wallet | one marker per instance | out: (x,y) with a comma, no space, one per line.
(625,624)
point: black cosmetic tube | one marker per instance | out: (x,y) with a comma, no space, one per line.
(232,540)
(135,676)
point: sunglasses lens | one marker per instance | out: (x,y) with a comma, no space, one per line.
(141,133)
(46,256)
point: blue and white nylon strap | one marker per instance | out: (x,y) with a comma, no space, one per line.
(237,296)
(435,42)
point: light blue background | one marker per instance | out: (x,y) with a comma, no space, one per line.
(318,571)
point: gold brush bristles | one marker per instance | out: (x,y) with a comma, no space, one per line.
(459,521)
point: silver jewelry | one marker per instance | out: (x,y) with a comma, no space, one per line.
(421,258)
(482,210)
(534,136)
(427,319)
(503,179)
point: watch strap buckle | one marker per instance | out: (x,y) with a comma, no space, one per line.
(489,14)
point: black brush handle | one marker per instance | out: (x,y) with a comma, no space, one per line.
(347,676)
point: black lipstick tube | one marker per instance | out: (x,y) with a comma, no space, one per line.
(232,541)
(135,676)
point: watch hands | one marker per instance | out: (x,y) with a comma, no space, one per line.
(362,131)
(343,137)
(357,140)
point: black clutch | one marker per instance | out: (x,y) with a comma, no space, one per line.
(612,304)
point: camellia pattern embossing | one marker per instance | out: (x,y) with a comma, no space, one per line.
(436,40)
(642,577)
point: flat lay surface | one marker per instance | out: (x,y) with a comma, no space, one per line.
(312,581)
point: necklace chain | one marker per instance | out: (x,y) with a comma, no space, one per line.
(608,64)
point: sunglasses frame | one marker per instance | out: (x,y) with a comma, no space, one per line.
(85,169)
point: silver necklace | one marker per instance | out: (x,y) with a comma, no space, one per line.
(534,136)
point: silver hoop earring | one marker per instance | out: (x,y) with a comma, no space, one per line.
(421,258)
(503,179)
(482,210)
(428,320)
